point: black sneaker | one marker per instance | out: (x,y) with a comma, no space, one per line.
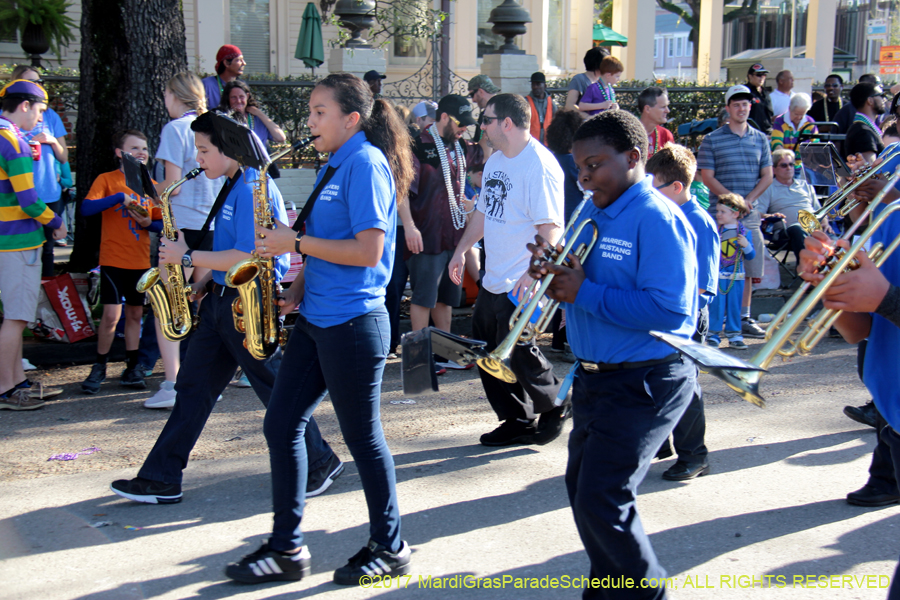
(91,385)
(751,329)
(321,479)
(371,561)
(133,377)
(270,565)
(149,492)
(550,425)
(512,431)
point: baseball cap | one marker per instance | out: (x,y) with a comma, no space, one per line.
(457,107)
(24,89)
(373,75)
(757,69)
(738,92)
(538,78)
(424,109)
(862,92)
(483,82)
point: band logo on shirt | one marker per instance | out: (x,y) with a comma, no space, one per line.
(330,192)
(132,224)
(493,195)
(614,248)
(227,212)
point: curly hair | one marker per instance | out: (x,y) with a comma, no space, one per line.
(561,131)
(618,129)
(225,102)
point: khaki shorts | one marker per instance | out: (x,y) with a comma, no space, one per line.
(754,268)
(20,283)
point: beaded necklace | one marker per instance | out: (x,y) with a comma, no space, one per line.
(456,213)
(840,103)
(250,121)
(14,126)
(865,120)
(655,140)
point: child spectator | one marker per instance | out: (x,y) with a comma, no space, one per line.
(124,257)
(673,168)
(736,245)
(601,96)
(473,180)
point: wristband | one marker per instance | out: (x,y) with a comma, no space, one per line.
(297,243)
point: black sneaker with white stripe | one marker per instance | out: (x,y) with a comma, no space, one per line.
(321,479)
(374,560)
(147,491)
(270,565)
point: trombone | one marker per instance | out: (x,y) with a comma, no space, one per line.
(811,221)
(794,312)
(497,363)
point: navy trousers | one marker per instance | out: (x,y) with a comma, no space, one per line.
(216,351)
(620,419)
(347,361)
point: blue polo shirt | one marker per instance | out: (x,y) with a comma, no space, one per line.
(235,226)
(735,159)
(882,358)
(359,196)
(46,183)
(707,249)
(891,165)
(641,276)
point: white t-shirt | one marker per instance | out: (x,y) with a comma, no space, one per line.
(517,195)
(781,101)
(195,198)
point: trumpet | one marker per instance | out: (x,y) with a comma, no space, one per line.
(794,312)
(811,221)
(497,363)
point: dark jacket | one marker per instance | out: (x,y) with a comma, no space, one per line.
(761,110)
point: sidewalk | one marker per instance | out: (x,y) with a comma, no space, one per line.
(773,504)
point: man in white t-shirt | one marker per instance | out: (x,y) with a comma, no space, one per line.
(781,97)
(521,195)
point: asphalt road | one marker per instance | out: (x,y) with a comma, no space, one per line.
(772,509)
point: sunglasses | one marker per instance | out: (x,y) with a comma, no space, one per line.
(665,185)
(779,165)
(472,94)
(488,120)
(832,85)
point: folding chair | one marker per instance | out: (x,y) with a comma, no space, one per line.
(777,242)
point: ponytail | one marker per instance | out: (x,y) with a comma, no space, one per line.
(379,121)
(386,131)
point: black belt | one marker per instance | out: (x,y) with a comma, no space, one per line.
(222,290)
(606,367)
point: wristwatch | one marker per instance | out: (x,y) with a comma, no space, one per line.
(186,261)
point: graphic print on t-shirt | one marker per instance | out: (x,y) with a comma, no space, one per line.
(494,193)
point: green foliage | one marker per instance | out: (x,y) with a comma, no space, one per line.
(61,89)
(16,15)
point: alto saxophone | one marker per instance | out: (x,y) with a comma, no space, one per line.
(255,310)
(170,297)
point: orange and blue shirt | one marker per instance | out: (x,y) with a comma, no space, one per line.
(22,213)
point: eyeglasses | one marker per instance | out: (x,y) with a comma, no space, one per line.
(664,186)
(780,165)
(488,120)
(455,120)
(832,85)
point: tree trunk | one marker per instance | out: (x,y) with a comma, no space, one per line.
(130,49)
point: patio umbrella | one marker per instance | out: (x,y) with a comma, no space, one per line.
(604,36)
(309,42)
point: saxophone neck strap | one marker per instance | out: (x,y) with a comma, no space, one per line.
(217,205)
(311,201)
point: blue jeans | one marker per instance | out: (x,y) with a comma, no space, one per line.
(347,360)
(148,349)
(393,294)
(217,349)
(620,419)
(726,308)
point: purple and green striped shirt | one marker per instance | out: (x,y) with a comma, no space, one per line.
(22,214)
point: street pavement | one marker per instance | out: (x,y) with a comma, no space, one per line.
(772,509)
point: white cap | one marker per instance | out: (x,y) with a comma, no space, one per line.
(425,109)
(738,90)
